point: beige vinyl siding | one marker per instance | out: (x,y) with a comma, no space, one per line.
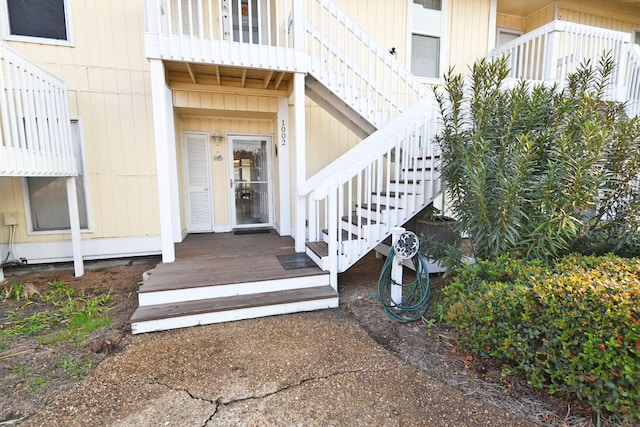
(385,20)
(327,138)
(467,32)
(510,21)
(540,17)
(107,78)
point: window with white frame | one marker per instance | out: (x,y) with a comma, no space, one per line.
(426,37)
(37,20)
(48,207)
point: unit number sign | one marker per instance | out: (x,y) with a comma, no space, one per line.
(283,133)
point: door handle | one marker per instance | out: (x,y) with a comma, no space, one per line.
(230,183)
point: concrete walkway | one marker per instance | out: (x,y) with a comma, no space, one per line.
(309,369)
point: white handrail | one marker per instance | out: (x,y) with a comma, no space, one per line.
(347,60)
(35,137)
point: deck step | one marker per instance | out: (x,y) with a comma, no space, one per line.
(217,310)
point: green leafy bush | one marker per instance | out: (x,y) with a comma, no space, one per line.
(538,172)
(573,327)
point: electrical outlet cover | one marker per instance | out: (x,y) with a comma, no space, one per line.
(10,218)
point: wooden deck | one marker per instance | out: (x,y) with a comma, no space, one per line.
(220,277)
(225,258)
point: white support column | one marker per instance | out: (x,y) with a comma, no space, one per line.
(173,171)
(301,156)
(396,269)
(74,220)
(161,98)
(493,13)
(284,167)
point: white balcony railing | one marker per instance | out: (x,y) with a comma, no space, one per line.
(35,137)
(551,52)
(257,33)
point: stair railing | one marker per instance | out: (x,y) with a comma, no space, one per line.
(334,194)
(350,62)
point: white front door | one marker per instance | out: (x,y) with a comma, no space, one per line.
(251,189)
(197,176)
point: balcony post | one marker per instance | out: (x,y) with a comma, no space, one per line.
(299,126)
(74,223)
(549,71)
(161,96)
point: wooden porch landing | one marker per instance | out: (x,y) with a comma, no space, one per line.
(225,258)
(220,277)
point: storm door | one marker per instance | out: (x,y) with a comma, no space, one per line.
(251,184)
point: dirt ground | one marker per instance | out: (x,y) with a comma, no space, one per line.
(32,373)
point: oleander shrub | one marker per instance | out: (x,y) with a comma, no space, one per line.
(538,171)
(572,327)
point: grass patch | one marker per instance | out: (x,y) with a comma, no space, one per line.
(77,315)
(76,368)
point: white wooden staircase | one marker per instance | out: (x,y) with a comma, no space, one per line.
(352,204)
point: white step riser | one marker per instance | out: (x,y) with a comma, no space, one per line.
(410,201)
(220,291)
(422,163)
(405,188)
(419,176)
(323,262)
(349,246)
(376,229)
(228,316)
(385,217)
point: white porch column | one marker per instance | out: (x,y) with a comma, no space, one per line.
(173,170)
(284,167)
(493,14)
(301,156)
(74,222)
(161,99)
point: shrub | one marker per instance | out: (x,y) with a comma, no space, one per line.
(538,172)
(573,327)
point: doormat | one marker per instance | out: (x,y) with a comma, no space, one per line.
(252,231)
(292,261)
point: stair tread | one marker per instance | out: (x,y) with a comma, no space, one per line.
(375,206)
(418,169)
(237,302)
(321,249)
(391,194)
(345,234)
(354,220)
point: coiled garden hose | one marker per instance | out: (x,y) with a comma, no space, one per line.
(415,294)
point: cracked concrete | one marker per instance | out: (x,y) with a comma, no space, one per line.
(307,369)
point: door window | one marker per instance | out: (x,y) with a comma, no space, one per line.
(251,184)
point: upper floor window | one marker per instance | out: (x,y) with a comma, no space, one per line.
(426,37)
(41,21)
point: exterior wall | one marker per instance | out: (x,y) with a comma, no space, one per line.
(468,32)
(107,78)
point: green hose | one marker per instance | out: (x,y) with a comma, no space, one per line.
(415,295)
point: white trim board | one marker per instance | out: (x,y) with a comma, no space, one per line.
(61,251)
